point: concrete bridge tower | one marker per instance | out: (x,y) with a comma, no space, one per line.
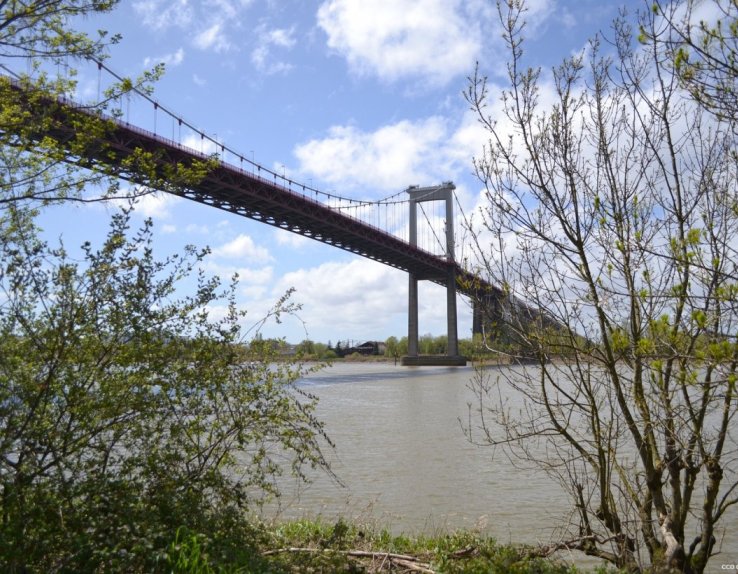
(417,195)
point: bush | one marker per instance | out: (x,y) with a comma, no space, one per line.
(125,411)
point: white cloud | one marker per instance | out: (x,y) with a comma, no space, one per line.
(363,299)
(213,37)
(156,205)
(294,240)
(226,9)
(251,276)
(169,60)
(262,56)
(254,292)
(538,13)
(168,228)
(390,158)
(356,291)
(431,39)
(262,276)
(394,156)
(210,24)
(282,37)
(162,14)
(198,143)
(243,247)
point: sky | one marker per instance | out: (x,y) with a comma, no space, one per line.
(361,98)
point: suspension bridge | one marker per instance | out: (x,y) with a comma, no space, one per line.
(386,230)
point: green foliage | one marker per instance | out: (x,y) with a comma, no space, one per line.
(41,29)
(125,411)
(135,429)
(394,347)
(705,54)
(185,555)
(43,143)
(430,345)
(311,351)
(461,552)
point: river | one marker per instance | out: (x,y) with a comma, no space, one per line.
(406,464)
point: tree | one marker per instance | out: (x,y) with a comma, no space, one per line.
(701,41)
(306,347)
(37,30)
(320,350)
(472,348)
(613,210)
(391,347)
(38,51)
(402,346)
(126,412)
(430,345)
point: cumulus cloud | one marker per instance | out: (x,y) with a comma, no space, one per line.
(392,39)
(389,158)
(251,276)
(156,205)
(289,239)
(424,151)
(370,299)
(365,294)
(244,248)
(212,37)
(198,143)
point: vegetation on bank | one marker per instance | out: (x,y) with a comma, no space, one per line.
(393,348)
(317,546)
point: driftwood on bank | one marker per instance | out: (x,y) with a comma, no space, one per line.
(403,560)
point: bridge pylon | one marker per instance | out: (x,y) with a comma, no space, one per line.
(443,192)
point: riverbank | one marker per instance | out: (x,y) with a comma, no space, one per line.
(313,546)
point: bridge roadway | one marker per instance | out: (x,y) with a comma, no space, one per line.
(251,195)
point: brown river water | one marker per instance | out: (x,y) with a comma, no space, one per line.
(406,465)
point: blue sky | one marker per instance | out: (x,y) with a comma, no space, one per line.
(359,97)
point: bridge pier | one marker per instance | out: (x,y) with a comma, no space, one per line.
(486,315)
(442,192)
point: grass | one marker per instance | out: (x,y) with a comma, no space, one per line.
(314,546)
(317,547)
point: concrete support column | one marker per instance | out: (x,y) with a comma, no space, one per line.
(412,304)
(451,322)
(451,328)
(412,317)
(477,316)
